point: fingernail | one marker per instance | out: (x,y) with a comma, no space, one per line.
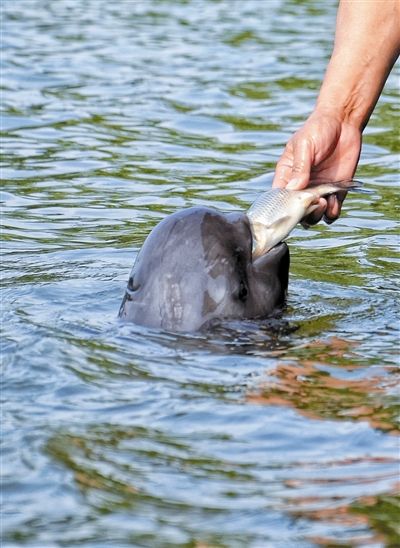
(293,183)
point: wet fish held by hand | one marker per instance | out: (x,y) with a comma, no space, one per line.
(277,211)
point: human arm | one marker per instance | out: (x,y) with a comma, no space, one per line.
(327,147)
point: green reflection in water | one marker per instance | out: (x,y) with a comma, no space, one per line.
(309,380)
(382,513)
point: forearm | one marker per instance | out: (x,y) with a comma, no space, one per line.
(367,44)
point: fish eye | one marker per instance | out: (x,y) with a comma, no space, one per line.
(132,286)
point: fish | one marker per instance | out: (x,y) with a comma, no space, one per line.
(276,212)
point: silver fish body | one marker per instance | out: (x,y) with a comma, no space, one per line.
(277,211)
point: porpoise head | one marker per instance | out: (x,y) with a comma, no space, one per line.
(196,266)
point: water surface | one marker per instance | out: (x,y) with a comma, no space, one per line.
(252,435)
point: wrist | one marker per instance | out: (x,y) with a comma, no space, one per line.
(351,111)
(346,92)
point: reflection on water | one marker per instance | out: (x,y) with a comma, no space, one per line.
(329,382)
(256,434)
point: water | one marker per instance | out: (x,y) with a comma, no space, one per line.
(116,114)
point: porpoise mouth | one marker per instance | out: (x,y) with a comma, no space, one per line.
(279,248)
(279,244)
(273,255)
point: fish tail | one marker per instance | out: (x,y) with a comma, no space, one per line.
(323,188)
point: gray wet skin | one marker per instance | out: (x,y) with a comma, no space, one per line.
(196,266)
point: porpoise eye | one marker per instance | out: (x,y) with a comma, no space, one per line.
(132,286)
(242,291)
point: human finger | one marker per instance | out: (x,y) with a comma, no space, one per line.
(334,207)
(283,171)
(302,163)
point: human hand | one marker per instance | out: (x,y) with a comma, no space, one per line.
(324,149)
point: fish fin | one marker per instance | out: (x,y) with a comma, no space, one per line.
(259,227)
(312,207)
(281,221)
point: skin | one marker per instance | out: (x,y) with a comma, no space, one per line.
(327,147)
(196,266)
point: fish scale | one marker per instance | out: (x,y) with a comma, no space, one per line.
(277,211)
(270,204)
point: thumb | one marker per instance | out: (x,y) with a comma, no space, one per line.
(302,161)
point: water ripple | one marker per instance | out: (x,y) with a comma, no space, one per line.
(255,434)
